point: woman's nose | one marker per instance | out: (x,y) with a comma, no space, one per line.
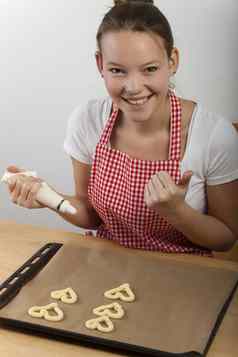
(133,85)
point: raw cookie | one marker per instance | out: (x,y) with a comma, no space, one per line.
(44,312)
(114,310)
(122,292)
(65,295)
(102,324)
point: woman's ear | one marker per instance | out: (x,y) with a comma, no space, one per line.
(98,57)
(174,61)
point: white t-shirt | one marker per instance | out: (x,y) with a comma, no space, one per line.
(211,150)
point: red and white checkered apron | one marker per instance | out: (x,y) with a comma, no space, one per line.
(116,191)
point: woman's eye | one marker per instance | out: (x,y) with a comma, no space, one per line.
(151,69)
(115,70)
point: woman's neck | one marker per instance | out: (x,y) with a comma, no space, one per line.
(158,122)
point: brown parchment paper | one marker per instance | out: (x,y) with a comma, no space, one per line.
(176,305)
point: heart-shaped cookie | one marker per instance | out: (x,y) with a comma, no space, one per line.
(122,292)
(102,323)
(46,312)
(67,295)
(113,310)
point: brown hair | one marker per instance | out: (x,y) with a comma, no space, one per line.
(137,15)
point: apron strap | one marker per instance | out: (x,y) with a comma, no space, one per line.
(175,128)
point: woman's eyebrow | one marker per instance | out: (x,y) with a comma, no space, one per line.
(151,62)
(143,65)
(114,64)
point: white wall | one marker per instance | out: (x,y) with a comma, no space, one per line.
(47,67)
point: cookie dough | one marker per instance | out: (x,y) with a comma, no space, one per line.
(114,310)
(67,295)
(122,292)
(102,324)
(44,312)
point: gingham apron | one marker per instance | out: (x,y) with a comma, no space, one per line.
(116,191)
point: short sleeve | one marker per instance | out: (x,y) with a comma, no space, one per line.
(85,127)
(76,143)
(222,159)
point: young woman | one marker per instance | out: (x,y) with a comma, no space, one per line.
(151,170)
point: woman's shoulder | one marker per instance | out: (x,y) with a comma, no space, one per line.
(84,128)
(211,122)
(212,146)
(211,132)
(197,117)
(93,112)
(188,107)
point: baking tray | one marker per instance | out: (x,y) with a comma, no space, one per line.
(29,270)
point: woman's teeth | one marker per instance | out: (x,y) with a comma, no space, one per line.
(138,101)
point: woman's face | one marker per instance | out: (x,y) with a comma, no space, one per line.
(136,71)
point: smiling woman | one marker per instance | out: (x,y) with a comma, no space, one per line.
(152,170)
(137,79)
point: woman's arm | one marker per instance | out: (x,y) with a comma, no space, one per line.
(86,217)
(218,230)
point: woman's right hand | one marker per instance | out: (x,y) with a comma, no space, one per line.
(23,189)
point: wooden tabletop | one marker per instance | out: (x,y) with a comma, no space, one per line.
(19,242)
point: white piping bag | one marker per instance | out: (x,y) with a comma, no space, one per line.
(45,195)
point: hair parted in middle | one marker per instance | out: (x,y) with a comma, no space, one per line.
(121,2)
(138,16)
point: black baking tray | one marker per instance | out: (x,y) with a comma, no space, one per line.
(12,286)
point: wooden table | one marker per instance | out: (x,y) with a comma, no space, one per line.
(20,242)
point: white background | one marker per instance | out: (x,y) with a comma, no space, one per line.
(47,68)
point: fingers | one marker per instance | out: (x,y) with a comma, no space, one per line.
(166,181)
(23,190)
(31,198)
(184,181)
(11,184)
(158,189)
(163,194)
(14,169)
(14,182)
(15,189)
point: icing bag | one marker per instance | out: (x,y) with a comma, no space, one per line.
(45,195)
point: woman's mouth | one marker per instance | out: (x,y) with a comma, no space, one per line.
(138,101)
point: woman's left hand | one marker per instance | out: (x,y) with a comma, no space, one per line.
(162,194)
